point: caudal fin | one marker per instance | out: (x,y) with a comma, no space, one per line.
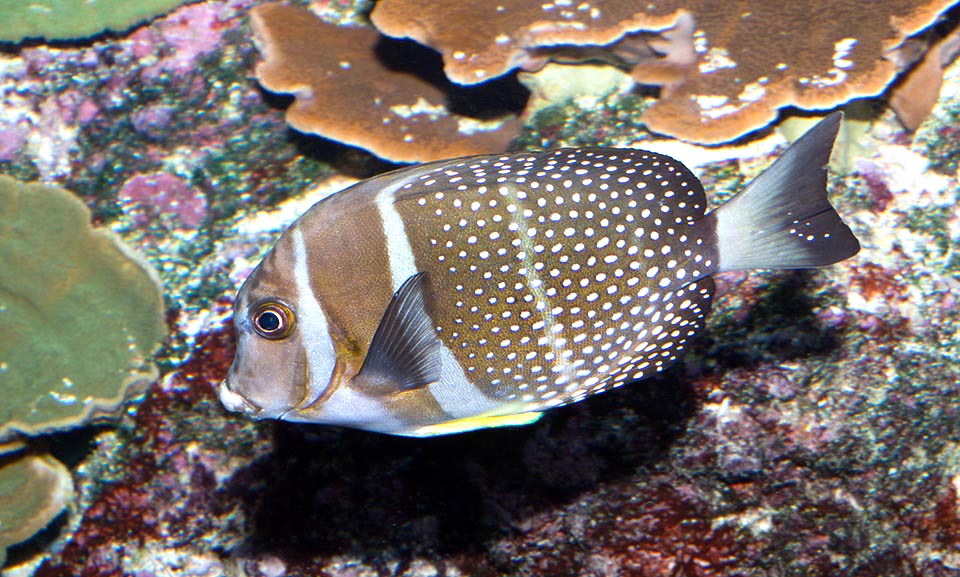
(783,218)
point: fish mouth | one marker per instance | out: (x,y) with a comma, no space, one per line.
(236,402)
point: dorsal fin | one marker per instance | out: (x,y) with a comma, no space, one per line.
(403,354)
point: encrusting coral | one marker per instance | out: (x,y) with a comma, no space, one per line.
(914,97)
(71,19)
(345,93)
(825,53)
(79,313)
(514,34)
(34,489)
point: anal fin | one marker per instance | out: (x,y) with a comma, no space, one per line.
(403,355)
(474,423)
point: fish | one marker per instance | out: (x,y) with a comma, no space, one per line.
(482,291)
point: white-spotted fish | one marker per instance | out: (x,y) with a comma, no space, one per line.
(478,292)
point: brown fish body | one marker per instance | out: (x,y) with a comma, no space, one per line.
(481,291)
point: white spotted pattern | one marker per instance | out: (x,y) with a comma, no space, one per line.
(562,274)
(454,392)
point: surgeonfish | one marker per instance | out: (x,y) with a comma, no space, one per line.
(480,291)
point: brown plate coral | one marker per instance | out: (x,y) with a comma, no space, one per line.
(812,431)
(346,93)
(816,55)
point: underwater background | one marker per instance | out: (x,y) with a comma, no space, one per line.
(147,163)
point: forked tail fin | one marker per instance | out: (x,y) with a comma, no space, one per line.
(783,218)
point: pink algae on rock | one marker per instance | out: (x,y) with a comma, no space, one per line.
(164,197)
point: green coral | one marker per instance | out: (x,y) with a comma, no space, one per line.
(72,19)
(34,489)
(79,313)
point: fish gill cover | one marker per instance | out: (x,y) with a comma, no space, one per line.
(814,429)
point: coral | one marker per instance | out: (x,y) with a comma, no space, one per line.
(95,117)
(346,93)
(512,33)
(729,90)
(71,19)
(556,84)
(916,95)
(79,313)
(11,140)
(179,41)
(941,137)
(739,89)
(587,122)
(34,489)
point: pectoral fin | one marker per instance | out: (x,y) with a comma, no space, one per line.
(403,354)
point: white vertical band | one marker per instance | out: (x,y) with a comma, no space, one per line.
(402,263)
(312,321)
(454,392)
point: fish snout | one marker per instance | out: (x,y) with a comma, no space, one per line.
(236,402)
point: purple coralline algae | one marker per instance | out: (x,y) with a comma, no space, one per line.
(176,42)
(12,139)
(814,430)
(148,198)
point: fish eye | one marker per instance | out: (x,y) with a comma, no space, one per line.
(273,320)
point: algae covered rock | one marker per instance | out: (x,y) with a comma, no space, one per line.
(34,489)
(72,19)
(79,313)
